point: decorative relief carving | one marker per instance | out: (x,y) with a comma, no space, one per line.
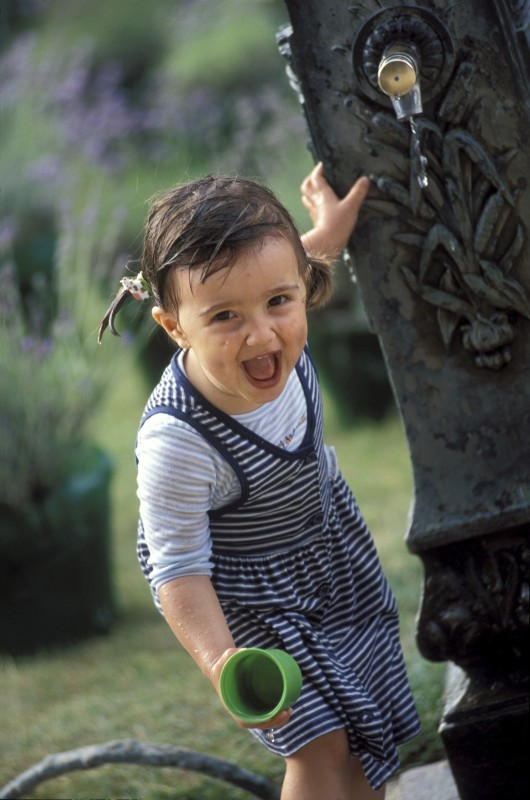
(476,603)
(464,231)
(467,255)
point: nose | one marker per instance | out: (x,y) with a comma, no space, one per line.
(260,331)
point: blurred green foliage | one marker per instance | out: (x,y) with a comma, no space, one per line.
(104,103)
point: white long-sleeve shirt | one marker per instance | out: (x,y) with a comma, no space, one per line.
(181,476)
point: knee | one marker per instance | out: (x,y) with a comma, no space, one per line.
(330,751)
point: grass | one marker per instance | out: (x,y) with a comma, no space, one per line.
(138,683)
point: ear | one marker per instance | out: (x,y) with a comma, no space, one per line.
(171,326)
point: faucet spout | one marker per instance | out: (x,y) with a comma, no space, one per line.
(398,77)
(408,105)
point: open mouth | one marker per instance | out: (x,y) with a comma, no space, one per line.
(263,371)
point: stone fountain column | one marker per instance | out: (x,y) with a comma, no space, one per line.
(432,99)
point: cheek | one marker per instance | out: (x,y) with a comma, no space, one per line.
(294,335)
(299,326)
(222,351)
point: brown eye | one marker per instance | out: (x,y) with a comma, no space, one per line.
(222,316)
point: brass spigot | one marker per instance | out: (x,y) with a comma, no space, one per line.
(397,71)
(398,77)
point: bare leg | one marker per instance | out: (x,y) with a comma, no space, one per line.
(360,789)
(319,770)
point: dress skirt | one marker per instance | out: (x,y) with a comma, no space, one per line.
(328,604)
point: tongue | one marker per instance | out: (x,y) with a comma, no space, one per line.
(261,369)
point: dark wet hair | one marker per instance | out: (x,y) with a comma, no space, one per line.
(205,225)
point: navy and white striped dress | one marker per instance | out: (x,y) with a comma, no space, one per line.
(295,567)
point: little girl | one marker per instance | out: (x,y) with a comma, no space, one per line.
(248,534)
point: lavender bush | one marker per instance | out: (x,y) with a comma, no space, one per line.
(46,395)
(89,133)
(51,377)
(87,116)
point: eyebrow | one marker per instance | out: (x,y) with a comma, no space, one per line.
(234,303)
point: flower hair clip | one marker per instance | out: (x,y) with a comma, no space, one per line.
(137,287)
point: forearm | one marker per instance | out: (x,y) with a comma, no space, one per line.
(320,242)
(195,616)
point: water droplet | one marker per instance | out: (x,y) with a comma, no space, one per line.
(349,266)
(418,161)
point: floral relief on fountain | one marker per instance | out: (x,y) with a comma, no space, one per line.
(463,229)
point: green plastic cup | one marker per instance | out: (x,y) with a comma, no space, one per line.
(256,684)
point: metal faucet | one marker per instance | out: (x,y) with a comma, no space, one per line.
(398,77)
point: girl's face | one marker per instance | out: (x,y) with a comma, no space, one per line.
(244,328)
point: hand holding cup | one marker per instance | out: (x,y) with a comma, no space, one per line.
(256,685)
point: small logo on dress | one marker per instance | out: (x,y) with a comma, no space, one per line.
(286,441)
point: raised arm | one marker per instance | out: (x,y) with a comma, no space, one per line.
(333,219)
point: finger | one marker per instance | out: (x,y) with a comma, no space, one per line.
(318,170)
(308,186)
(277,721)
(313,180)
(358,191)
(281,719)
(319,193)
(353,201)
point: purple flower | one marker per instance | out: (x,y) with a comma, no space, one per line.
(48,168)
(8,231)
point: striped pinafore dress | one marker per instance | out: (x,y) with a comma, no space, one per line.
(295,567)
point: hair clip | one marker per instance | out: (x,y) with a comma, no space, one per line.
(138,287)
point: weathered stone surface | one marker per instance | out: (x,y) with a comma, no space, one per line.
(442,259)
